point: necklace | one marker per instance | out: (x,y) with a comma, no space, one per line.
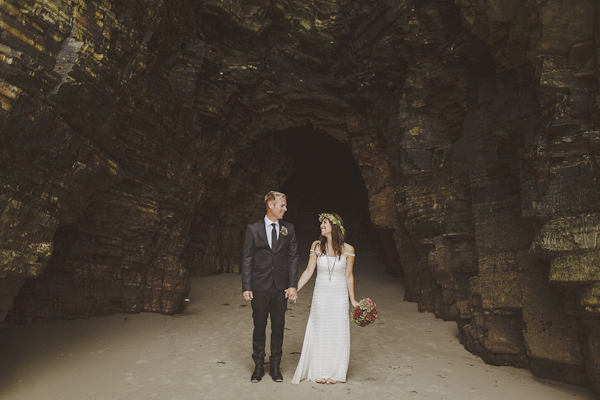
(330,268)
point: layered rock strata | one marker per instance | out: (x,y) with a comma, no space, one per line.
(134,136)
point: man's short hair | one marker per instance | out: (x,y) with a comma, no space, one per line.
(273,196)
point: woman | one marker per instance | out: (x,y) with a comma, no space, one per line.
(326,347)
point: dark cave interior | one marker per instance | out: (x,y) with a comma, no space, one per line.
(325,178)
(458,138)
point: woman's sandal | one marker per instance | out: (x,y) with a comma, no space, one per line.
(322,380)
(331,382)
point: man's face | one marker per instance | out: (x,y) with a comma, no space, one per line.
(278,208)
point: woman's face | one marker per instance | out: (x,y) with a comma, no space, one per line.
(325,226)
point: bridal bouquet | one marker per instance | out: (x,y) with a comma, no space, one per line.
(365,312)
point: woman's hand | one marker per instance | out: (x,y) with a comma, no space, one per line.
(354,303)
(292,294)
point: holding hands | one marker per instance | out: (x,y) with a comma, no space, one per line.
(292,294)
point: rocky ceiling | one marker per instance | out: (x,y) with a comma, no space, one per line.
(134,136)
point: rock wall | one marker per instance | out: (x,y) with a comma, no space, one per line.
(134,136)
(111,157)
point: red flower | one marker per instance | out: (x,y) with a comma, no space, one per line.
(365,313)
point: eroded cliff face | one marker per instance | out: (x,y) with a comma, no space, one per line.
(134,136)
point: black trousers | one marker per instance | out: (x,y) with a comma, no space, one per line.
(271,302)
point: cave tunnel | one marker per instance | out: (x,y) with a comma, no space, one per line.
(321,176)
(459,141)
(325,178)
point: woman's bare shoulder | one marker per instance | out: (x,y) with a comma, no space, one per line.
(348,248)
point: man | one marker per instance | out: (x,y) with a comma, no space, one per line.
(269,278)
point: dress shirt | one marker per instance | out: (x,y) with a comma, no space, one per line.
(269,228)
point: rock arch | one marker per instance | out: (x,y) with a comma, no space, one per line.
(474,127)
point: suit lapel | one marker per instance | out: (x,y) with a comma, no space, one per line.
(281,237)
(263,235)
(263,232)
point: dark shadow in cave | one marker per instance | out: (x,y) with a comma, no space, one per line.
(326,178)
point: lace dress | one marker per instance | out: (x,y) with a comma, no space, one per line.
(326,348)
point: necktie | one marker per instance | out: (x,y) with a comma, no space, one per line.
(273,235)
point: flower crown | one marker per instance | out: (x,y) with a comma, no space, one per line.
(333,220)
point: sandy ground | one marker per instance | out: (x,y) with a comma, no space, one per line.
(204,353)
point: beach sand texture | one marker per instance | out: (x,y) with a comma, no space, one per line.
(204,353)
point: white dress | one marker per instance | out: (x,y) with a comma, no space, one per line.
(326,348)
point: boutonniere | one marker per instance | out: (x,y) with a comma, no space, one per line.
(283,231)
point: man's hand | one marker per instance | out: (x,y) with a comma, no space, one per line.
(292,294)
(248,295)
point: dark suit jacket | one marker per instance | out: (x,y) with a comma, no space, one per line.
(261,266)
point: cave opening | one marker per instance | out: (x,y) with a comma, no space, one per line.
(317,172)
(325,178)
(138,138)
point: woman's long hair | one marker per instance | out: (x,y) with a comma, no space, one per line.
(337,238)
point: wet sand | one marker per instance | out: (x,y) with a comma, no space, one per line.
(204,353)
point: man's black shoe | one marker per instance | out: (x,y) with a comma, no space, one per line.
(276,375)
(275,372)
(259,372)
